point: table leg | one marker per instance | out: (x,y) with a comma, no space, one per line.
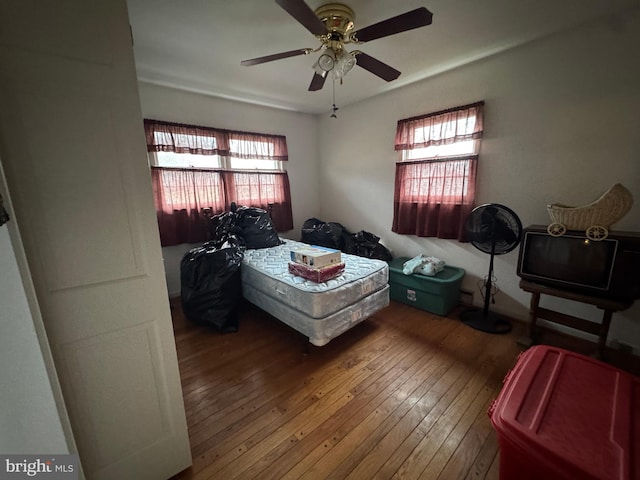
(526,342)
(604,331)
(533,315)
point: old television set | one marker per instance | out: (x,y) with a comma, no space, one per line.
(608,268)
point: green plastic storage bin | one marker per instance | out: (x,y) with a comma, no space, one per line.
(437,294)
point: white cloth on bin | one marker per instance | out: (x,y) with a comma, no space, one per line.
(424,265)
(431,267)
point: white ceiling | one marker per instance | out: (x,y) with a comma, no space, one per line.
(197,45)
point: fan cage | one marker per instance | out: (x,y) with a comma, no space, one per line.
(505,218)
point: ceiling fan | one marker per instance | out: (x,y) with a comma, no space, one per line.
(333,25)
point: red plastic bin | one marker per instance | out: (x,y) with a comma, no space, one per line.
(562,415)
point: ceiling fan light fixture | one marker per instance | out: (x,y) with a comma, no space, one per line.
(326,62)
(344,63)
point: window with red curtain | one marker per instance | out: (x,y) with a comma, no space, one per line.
(199,171)
(435,179)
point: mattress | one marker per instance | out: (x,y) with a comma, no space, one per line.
(320,311)
(267,270)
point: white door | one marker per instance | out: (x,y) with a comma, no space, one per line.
(72,144)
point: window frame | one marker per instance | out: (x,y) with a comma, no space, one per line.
(221,163)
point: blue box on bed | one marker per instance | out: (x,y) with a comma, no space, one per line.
(437,294)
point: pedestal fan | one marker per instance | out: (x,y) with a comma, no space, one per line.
(494,229)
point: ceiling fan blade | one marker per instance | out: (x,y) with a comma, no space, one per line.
(376,67)
(419,17)
(275,56)
(304,15)
(317,82)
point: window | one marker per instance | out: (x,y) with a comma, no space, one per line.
(199,171)
(435,178)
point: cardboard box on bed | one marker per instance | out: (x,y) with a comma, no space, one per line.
(437,294)
(317,275)
(315,256)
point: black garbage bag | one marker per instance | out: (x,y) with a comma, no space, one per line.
(252,227)
(324,234)
(366,244)
(210,284)
(335,235)
(221,227)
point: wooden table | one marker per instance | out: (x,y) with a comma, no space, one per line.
(600,329)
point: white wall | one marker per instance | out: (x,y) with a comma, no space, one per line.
(30,422)
(301,130)
(561,125)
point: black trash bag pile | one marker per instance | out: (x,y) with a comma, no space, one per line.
(210,284)
(335,235)
(251,225)
(324,234)
(211,288)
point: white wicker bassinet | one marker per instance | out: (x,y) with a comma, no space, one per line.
(595,218)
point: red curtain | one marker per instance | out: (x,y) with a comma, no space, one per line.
(434,196)
(269,191)
(183,199)
(186,197)
(441,128)
(182,138)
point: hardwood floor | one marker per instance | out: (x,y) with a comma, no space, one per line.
(402,395)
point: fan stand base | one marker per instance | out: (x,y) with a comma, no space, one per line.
(489,322)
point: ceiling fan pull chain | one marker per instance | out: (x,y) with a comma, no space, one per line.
(334,109)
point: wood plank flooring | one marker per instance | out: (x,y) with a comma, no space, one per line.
(402,395)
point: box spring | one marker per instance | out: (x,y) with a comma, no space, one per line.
(319,330)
